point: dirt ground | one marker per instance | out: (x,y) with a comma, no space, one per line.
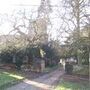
(76,78)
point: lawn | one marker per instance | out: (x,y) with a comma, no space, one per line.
(8,79)
(67,85)
(50,68)
(83,71)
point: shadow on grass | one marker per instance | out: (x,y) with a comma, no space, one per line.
(8,79)
(66,85)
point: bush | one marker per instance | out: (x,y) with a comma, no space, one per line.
(6,56)
(81,70)
(18,64)
(77,68)
(68,68)
(19,59)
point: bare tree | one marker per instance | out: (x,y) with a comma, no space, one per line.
(75,17)
(36,28)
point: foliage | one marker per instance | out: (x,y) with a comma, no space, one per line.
(16,54)
(6,56)
(79,47)
(49,51)
(81,70)
(8,53)
(33,51)
(74,19)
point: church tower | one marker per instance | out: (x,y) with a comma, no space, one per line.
(40,25)
(45,9)
(43,19)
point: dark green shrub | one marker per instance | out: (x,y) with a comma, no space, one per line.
(6,56)
(68,68)
(49,51)
(33,52)
(19,59)
(18,64)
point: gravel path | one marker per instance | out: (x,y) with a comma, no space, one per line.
(45,82)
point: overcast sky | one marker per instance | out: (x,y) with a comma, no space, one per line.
(5,5)
(8,6)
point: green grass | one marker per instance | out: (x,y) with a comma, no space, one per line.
(8,79)
(49,69)
(66,85)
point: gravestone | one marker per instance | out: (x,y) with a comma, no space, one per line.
(42,65)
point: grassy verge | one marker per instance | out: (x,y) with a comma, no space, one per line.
(49,69)
(67,85)
(83,71)
(8,79)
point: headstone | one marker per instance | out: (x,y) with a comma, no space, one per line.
(42,65)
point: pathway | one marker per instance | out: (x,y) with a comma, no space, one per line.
(45,82)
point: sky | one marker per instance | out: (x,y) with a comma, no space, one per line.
(8,6)
(5,5)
